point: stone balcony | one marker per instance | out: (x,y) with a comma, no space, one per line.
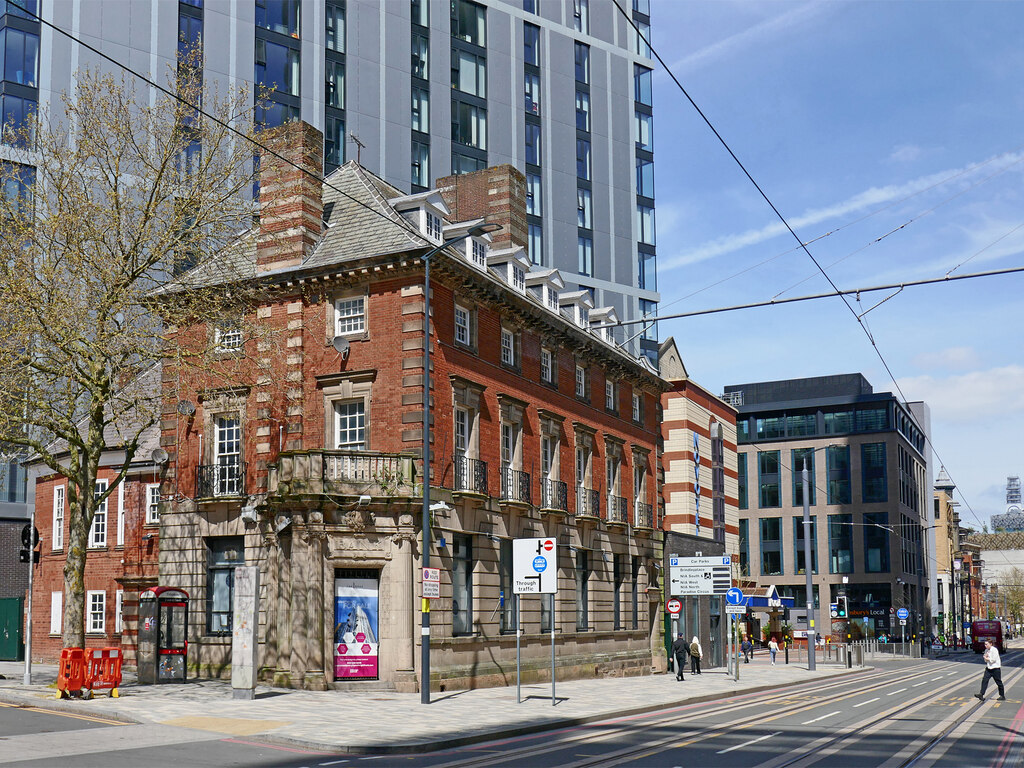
(342,473)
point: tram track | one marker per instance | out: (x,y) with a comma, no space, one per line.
(649,723)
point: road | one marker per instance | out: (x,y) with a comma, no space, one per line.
(918,713)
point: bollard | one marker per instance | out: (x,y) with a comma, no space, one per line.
(787,653)
(849,658)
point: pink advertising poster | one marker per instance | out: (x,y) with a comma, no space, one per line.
(355,627)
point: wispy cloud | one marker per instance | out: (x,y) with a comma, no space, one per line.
(875,197)
(905,153)
(776,26)
(970,397)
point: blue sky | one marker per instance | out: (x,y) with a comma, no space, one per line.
(890,133)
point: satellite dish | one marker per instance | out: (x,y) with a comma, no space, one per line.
(186,408)
(340,344)
(159,456)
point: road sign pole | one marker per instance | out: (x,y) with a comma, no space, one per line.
(551,613)
(811,635)
(519,631)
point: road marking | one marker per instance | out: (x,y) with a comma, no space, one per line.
(951,674)
(748,743)
(822,717)
(334,762)
(866,702)
(937,678)
(918,685)
(893,693)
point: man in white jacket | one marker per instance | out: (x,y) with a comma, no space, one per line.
(993,669)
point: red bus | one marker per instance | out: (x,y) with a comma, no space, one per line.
(987,630)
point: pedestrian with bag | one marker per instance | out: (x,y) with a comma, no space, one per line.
(993,669)
(773,648)
(748,649)
(695,656)
(680,649)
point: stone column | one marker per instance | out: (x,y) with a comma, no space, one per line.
(402,589)
(300,580)
(316,677)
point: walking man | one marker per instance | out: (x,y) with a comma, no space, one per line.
(748,649)
(695,654)
(680,649)
(993,669)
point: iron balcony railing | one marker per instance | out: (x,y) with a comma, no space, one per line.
(617,509)
(470,475)
(643,515)
(515,485)
(225,478)
(554,494)
(588,502)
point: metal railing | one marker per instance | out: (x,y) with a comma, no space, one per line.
(588,502)
(470,475)
(515,485)
(617,509)
(220,480)
(643,515)
(554,494)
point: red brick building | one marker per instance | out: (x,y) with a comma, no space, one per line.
(307,462)
(122,558)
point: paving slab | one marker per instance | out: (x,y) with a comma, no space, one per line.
(362,722)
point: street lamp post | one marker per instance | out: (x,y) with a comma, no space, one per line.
(476,231)
(812,635)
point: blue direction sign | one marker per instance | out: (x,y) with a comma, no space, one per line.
(734,596)
(902,613)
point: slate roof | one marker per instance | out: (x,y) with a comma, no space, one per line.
(144,388)
(360,222)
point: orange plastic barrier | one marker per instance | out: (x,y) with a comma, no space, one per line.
(104,671)
(71,673)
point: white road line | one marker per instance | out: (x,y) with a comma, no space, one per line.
(893,693)
(748,743)
(918,685)
(866,702)
(335,762)
(822,717)
(936,678)
(952,673)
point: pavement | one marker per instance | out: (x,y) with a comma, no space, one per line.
(363,722)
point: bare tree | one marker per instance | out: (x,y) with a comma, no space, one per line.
(120,194)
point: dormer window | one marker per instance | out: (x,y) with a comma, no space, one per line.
(478,253)
(433,226)
(582,316)
(518,275)
(552,298)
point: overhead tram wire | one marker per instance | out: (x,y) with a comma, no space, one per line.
(876,211)
(231,129)
(838,292)
(785,222)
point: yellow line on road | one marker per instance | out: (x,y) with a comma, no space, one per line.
(90,718)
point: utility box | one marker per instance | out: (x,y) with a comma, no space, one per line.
(163,633)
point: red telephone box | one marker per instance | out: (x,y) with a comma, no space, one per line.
(163,635)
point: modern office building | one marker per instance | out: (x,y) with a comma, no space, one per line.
(415,90)
(864,452)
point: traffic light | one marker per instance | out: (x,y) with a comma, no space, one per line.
(29,536)
(841,607)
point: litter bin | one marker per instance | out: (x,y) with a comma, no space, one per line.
(163,633)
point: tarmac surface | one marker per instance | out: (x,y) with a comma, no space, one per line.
(382,721)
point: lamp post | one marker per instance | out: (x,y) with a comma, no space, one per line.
(812,635)
(476,231)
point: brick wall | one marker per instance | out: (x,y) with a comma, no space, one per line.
(13,574)
(497,194)
(124,566)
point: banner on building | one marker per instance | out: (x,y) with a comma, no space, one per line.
(355,626)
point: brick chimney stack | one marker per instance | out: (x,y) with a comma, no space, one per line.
(291,201)
(497,194)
